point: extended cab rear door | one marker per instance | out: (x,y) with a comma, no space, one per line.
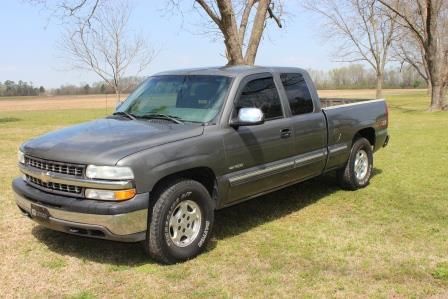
(308,124)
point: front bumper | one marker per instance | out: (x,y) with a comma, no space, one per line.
(119,221)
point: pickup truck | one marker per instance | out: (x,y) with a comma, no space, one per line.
(186,143)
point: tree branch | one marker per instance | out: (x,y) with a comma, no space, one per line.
(273,16)
(406,20)
(210,12)
(245,20)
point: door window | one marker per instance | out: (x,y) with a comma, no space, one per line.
(298,94)
(262,94)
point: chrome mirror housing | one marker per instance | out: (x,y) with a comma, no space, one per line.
(248,117)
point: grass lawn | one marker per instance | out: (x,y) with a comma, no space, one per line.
(312,239)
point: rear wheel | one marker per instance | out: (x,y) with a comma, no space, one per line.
(358,170)
(180,223)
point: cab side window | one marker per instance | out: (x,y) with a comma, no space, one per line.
(298,94)
(262,94)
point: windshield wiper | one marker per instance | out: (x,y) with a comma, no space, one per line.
(172,118)
(128,115)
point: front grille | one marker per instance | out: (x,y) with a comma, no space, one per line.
(58,167)
(54,186)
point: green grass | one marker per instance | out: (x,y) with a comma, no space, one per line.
(441,271)
(310,240)
(83,295)
(56,263)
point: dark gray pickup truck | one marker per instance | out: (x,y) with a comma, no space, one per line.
(186,143)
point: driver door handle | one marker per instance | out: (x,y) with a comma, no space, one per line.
(285,133)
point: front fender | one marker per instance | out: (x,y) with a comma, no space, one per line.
(154,164)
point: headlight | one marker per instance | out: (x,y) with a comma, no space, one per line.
(109,172)
(21,157)
(110,194)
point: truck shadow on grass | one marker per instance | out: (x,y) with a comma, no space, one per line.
(228,222)
(247,215)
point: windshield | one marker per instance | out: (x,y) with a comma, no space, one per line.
(194,98)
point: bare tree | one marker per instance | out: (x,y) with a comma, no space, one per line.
(364,31)
(241,23)
(410,52)
(426,20)
(97,38)
(104,44)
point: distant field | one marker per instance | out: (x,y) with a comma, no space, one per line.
(109,101)
(57,102)
(367,93)
(312,240)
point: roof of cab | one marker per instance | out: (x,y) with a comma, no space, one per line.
(230,71)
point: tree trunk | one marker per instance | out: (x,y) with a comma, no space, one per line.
(379,86)
(434,57)
(233,51)
(436,100)
(117,93)
(443,97)
(234,35)
(230,31)
(257,31)
(437,85)
(428,90)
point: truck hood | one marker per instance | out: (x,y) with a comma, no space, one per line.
(106,141)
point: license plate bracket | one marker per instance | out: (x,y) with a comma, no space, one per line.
(39,213)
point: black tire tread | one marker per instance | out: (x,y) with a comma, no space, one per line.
(164,193)
(345,176)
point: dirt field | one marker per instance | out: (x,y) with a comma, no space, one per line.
(108,101)
(57,102)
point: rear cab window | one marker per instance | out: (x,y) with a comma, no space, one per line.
(260,93)
(297,92)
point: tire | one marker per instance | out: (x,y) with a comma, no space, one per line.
(180,223)
(355,175)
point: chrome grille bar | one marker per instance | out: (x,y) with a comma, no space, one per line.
(57,167)
(54,186)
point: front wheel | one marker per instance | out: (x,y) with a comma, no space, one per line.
(181,221)
(358,170)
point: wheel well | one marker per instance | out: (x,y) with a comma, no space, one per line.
(203,175)
(367,133)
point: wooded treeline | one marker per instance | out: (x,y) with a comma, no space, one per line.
(129,84)
(356,76)
(353,76)
(20,88)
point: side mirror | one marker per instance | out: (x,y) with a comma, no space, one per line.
(248,117)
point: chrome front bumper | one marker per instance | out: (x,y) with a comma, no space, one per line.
(128,227)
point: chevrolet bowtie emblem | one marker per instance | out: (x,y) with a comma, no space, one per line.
(44,176)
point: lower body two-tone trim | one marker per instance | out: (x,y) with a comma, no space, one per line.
(276,167)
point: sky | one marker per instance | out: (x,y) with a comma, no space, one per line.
(29,51)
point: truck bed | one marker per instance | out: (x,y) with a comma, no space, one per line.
(346,117)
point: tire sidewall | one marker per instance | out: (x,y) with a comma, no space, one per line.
(186,190)
(361,144)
